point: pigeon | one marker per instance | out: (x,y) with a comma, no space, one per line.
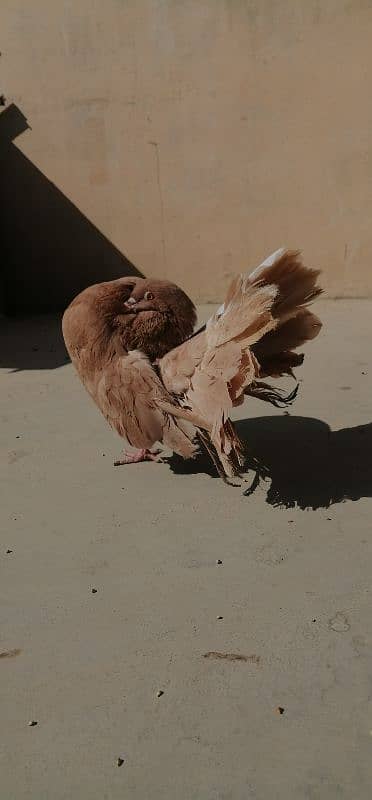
(156,381)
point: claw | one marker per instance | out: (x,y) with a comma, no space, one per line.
(137,456)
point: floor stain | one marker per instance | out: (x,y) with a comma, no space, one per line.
(10,653)
(16,455)
(339,623)
(232,656)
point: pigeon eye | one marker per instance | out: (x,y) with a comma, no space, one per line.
(148,296)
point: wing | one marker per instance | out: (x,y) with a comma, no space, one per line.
(126,394)
(136,404)
(221,351)
(212,369)
(178,366)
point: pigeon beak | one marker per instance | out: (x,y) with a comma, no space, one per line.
(130,303)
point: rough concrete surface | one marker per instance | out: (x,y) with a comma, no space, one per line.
(293,593)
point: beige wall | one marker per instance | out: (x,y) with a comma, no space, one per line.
(199,135)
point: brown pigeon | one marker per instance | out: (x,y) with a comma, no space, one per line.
(132,343)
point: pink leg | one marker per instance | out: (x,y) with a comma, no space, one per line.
(137,456)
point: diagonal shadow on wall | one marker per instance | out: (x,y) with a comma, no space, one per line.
(49,250)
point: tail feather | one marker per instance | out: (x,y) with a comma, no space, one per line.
(247,315)
(293,333)
(296,284)
(297,287)
(274,352)
(280,364)
(277,398)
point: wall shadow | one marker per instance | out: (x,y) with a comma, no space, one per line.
(49,250)
(32,343)
(307,465)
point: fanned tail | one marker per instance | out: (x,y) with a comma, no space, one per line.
(297,287)
(254,335)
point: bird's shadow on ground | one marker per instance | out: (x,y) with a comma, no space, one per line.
(307,465)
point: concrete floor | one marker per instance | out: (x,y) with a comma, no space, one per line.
(294,591)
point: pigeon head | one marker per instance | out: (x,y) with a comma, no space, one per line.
(154,317)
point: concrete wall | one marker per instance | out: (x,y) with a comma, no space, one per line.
(195,135)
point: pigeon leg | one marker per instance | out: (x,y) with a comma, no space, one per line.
(136,456)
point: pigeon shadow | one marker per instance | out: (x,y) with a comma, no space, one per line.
(50,250)
(304,463)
